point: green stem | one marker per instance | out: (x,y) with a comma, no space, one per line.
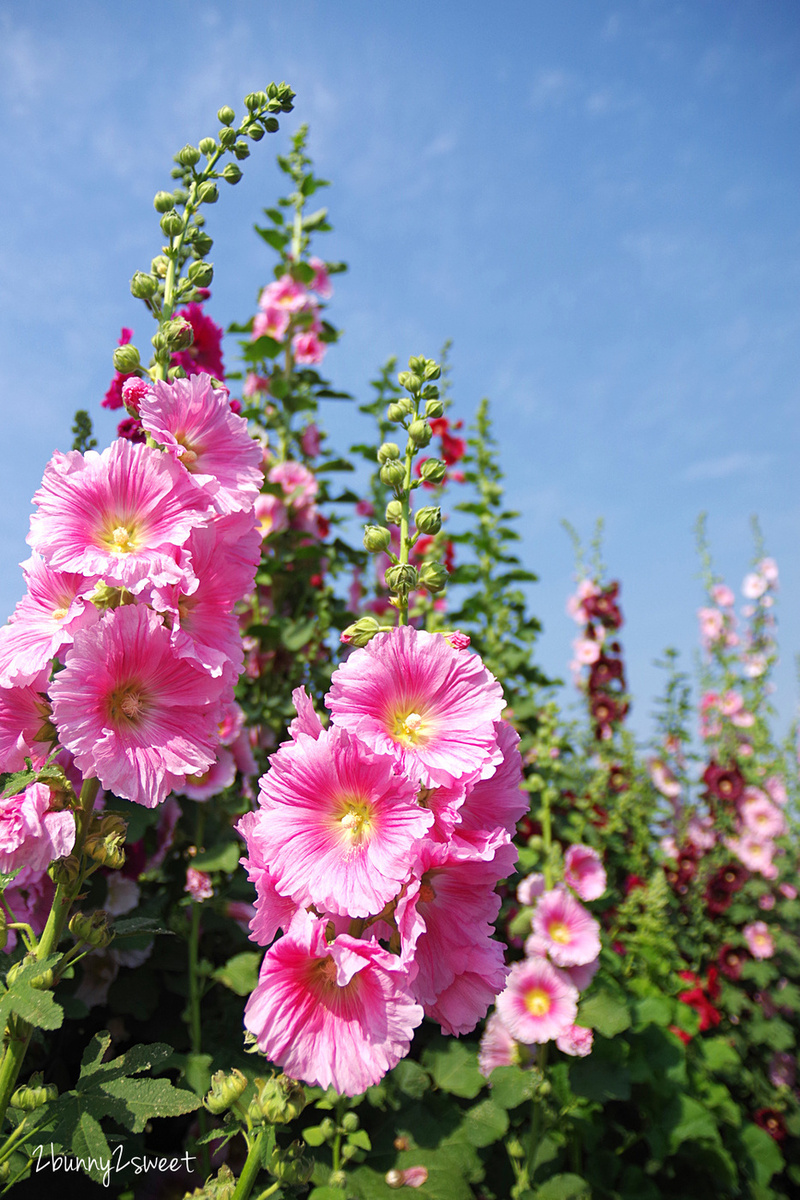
(195,997)
(252,1164)
(405,540)
(537,1120)
(547,838)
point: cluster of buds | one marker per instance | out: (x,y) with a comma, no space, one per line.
(597,609)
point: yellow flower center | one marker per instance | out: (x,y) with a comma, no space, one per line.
(121,540)
(60,613)
(537,1002)
(559,932)
(127,704)
(409,729)
(355,823)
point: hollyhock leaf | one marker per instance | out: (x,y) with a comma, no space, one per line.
(605,1013)
(510,1086)
(719,1055)
(139,926)
(695,1123)
(411,1078)
(563,1187)
(483,1124)
(764,1155)
(654,1010)
(35,1005)
(240,973)
(224,857)
(454,1067)
(604,1074)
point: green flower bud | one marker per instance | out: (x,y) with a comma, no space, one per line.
(280,1099)
(241,149)
(431,370)
(200,273)
(112,825)
(394,512)
(65,870)
(227,137)
(254,131)
(434,409)
(171,223)
(272,125)
(290,1165)
(350,1122)
(225,1090)
(376,538)
(108,850)
(337,1179)
(34,1094)
(420,432)
(126,359)
(433,470)
(188,156)
(401,578)
(232,173)
(252,101)
(328,1129)
(208,146)
(160,265)
(143,286)
(360,632)
(163,201)
(203,244)
(399,409)
(433,577)
(226,115)
(91,928)
(388,452)
(175,373)
(410,381)
(208,192)
(393,474)
(179,333)
(429,520)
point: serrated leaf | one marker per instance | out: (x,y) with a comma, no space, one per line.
(605,1013)
(765,1158)
(564,1187)
(90,1146)
(511,1086)
(454,1067)
(223,857)
(695,1123)
(35,1005)
(133,926)
(483,1124)
(240,973)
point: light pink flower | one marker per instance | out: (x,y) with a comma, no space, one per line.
(321,283)
(307,721)
(307,348)
(194,423)
(584,872)
(498,1048)
(763,819)
(777,789)
(769,569)
(120,515)
(133,713)
(700,832)
(298,483)
(44,621)
(759,939)
(788,890)
(271,514)
(285,293)
(754,586)
(584,590)
(30,898)
(24,714)
(722,595)
(586,650)
(465,1001)
(254,384)
(198,885)
(272,911)
(754,665)
(583,975)
(766,902)
(311,441)
(530,887)
(539,1003)
(220,775)
(30,834)
(337,1014)
(755,853)
(576,1041)
(272,322)
(572,934)
(712,624)
(337,825)
(410,694)
(664,779)
(491,808)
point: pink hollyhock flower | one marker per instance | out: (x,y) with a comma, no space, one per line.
(769,569)
(754,586)
(198,885)
(307,721)
(584,872)
(585,589)
(754,665)
(272,911)
(44,621)
(498,1048)
(285,293)
(586,650)
(712,624)
(31,835)
(120,515)
(759,939)
(460,1006)
(311,441)
(788,890)
(755,853)
(766,902)
(409,1177)
(777,790)
(576,1041)
(272,322)
(220,775)
(458,640)
(722,595)
(365,509)
(321,283)
(539,1003)
(337,1014)
(760,817)
(664,779)
(205,352)
(134,391)
(298,483)
(583,975)
(572,934)
(700,832)
(254,385)
(194,423)
(530,887)
(491,808)
(25,731)
(131,711)
(730,703)
(307,348)
(337,825)
(411,695)
(271,514)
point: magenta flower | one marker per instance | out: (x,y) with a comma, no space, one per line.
(195,424)
(272,911)
(31,835)
(219,776)
(410,694)
(571,933)
(539,1002)
(759,939)
(584,872)
(120,515)
(467,999)
(337,825)
(321,283)
(307,348)
(298,484)
(307,720)
(24,724)
(336,1015)
(198,885)
(131,711)
(44,621)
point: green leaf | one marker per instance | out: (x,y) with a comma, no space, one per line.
(510,1086)
(297,634)
(654,1010)
(605,1013)
(314,1135)
(223,857)
(411,1078)
(360,1139)
(197,1072)
(89,1144)
(483,1124)
(695,1123)
(764,1155)
(272,237)
(564,1187)
(240,973)
(719,1054)
(454,1067)
(133,926)
(604,1074)
(34,1005)
(8,877)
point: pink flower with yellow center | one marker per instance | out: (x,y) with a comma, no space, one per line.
(411,695)
(759,939)
(584,872)
(571,934)
(539,1002)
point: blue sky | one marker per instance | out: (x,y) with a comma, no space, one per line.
(597,202)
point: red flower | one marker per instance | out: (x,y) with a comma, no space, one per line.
(453,448)
(771,1120)
(731,960)
(205,352)
(726,783)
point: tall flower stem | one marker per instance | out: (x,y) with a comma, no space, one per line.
(195,992)
(405,521)
(255,1155)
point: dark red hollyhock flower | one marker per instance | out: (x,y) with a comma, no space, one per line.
(598,816)
(726,783)
(731,960)
(131,429)
(722,885)
(617,779)
(604,671)
(632,882)
(205,352)
(605,708)
(603,607)
(713,986)
(771,1120)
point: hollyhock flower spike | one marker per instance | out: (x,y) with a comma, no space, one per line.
(411,695)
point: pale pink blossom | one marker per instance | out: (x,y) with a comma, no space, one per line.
(337,1014)
(759,939)
(763,819)
(307,720)
(584,590)
(539,1003)
(44,621)
(465,1001)
(298,483)
(530,887)
(712,624)
(120,515)
(700,832)
(730,703)
(769,569)
(663,778)
(788,890)
(254,385)
(131,711)
(586,650)
(754,665)
(583,975)
(777,789)
(756,854)
(411,695)
(271,322)
(575,1041)
(272,912)
(754,586)
(285,293)
(584,872)
(271,514)
(311,441)
(572,934)
(498,1048)
(198,885)
(321,283)
(219,776)
(722,595)
(766,902)
(31,835)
